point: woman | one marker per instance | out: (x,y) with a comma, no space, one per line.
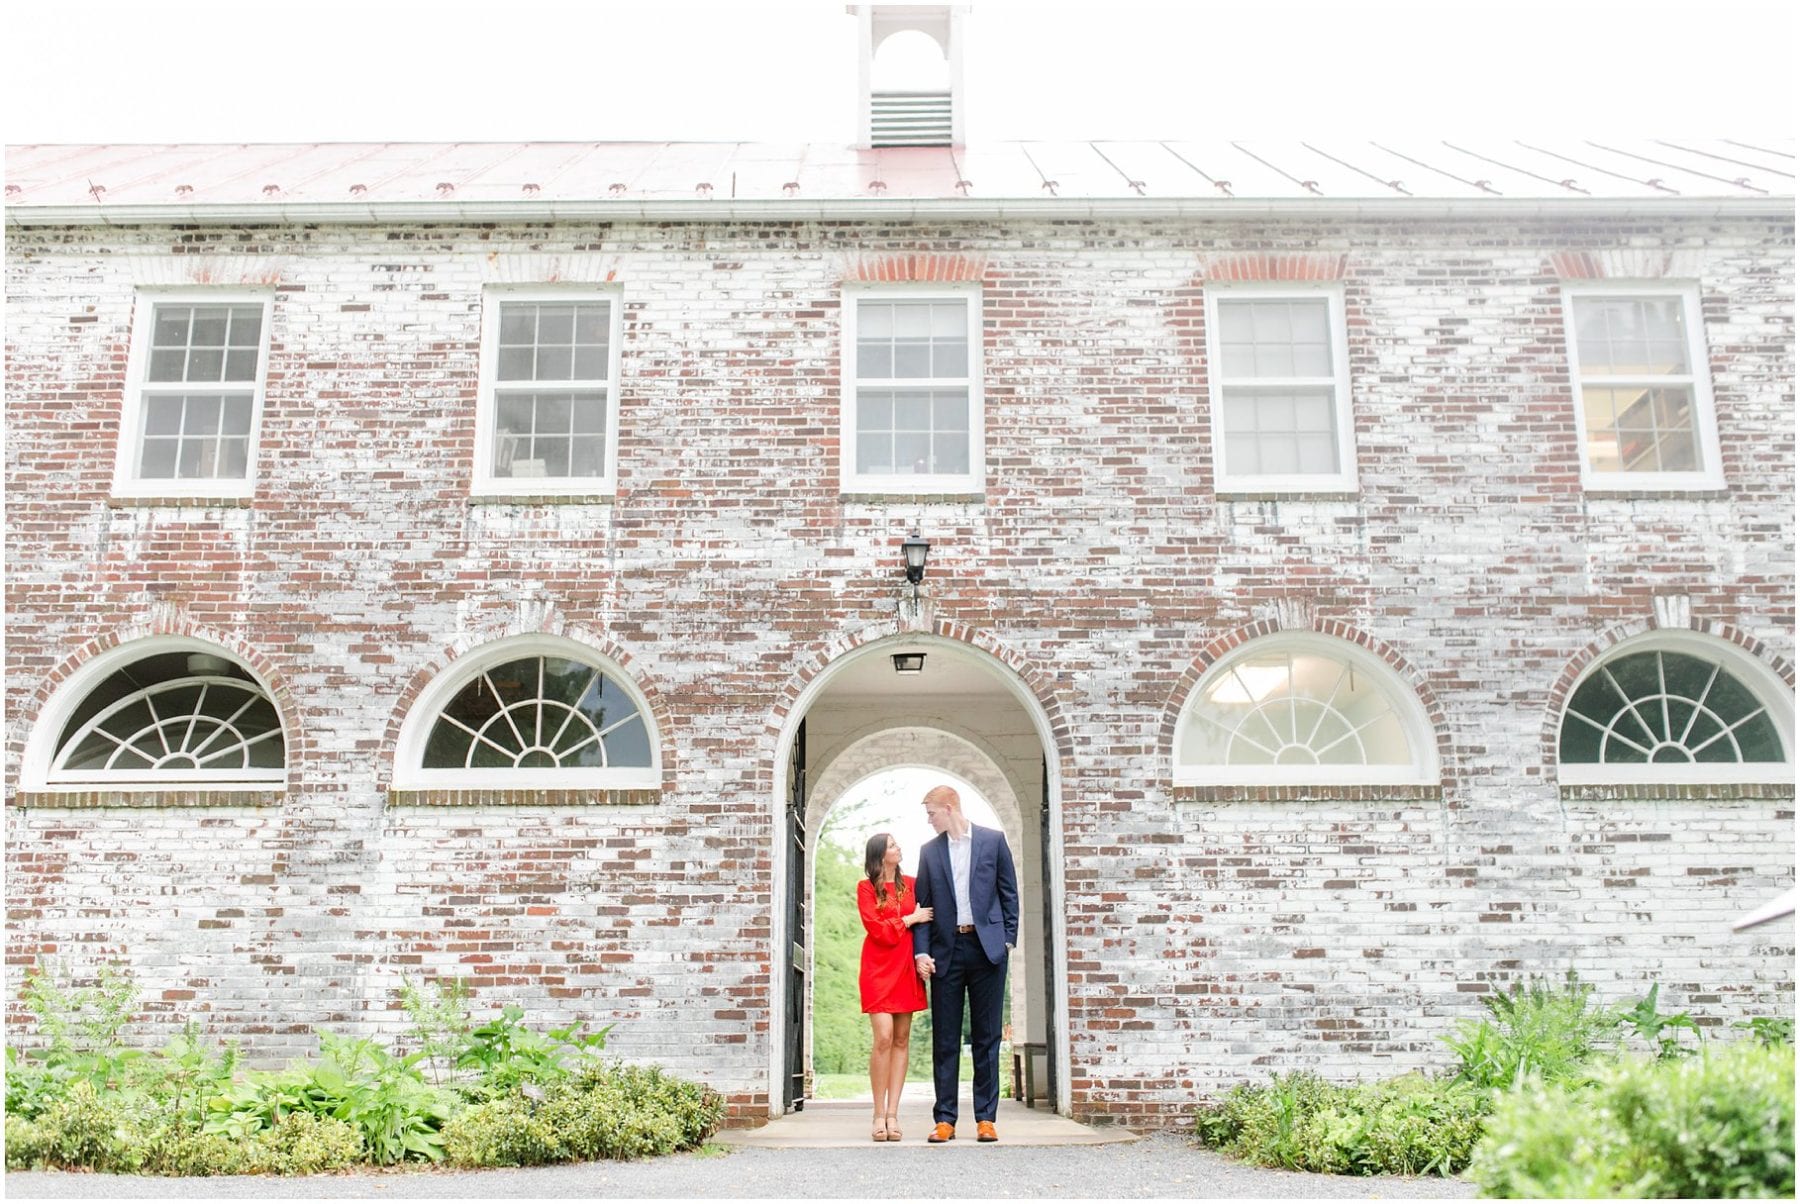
(891,990)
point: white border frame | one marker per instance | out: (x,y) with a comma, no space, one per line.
(409,748)
(41,745)
(1757,677)
(1404,700)
(126,483)
(485,483)
(1224,480)
(1712,473)
(851,481)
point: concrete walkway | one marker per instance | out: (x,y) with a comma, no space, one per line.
(827,1124)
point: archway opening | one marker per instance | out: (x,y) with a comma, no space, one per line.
(864,746)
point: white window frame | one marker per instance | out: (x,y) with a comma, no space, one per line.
(852,481)
(415,730)
(126,482)
(485,483)
(41,747)
(1422,770)
(1755,676)
(1225,481)
(1711,474)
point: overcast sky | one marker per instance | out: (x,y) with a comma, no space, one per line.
(455,70)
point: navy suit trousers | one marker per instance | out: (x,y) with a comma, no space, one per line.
(972,976)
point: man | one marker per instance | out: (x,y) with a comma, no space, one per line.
(966,878)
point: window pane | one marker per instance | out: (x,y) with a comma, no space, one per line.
(1235,325)
(950,358)
(875,321)
(912,320)
(195,459)
(1278,453)
(554,452)
(518,325)
(210,325)
(912,358)
(171,326)
(590,363)
(587,456)
(912,452)
(875,410)
(874,360)
(555,363)
(158,462)
(951,452)
(235,413)
(515,413)
(592,328)
(1274,359)
(588,413)
(162,415)
(912,411)
(168,365)
(875,453)
(1310,322)
(246,326)
(240,364)
(1318,453)
(515,363)
(556,324)
(628,745)
(949,411)
(206,364)
(950,321)
(1240,455)
(234,458)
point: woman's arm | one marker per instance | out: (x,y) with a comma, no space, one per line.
(882,929)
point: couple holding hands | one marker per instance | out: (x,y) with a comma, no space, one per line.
(952,927)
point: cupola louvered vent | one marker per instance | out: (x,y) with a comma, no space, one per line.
(910,119)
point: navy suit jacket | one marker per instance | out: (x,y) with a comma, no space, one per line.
(993,896)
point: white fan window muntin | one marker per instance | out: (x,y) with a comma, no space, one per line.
(1772,694)
(518,723)
(1303,710)
(251,725)
(412,773)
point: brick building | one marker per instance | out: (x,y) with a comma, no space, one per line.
(1359,576)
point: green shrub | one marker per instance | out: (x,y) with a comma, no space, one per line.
(1409,1125)
(1720,1125)
(605,1111)
(304,1144)
(502,1132)
(81,1130)
(1534,1028)
(1770,1030)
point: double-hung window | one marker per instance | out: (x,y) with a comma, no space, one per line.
(912,391)
(1280,387)
(194,402)
(1643,398)
(548,411)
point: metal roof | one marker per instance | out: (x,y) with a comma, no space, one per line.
(368,180)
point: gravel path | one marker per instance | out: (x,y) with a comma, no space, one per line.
(1162,1166)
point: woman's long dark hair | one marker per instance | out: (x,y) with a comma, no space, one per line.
(873,853)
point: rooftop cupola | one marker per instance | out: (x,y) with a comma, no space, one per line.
(910,73)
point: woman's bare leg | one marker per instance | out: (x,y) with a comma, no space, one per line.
(881,1054)
(896,1075)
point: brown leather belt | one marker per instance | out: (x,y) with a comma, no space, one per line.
(965,928)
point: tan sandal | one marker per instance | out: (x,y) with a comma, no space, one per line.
(878,1131)
(893,1128)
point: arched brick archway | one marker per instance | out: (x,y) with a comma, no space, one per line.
(1041,714)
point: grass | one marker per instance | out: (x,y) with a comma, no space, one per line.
(856,1086)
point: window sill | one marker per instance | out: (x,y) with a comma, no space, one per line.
(1649,491)
(90,799)
(881,497)
(1597,792)
(1339,793)
(540,499)
(1238,493)
(177,501)
(453,797)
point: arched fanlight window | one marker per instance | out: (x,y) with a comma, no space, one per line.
(1298,709)
(1675,709)
(534,714)
(168,718)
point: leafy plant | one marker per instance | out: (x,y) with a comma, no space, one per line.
(1651,1025)
(440,1021)
(83,1025)
(1720,1125)
(506,1054)
(1409,1125)
(1534,1028)
(1770,1030)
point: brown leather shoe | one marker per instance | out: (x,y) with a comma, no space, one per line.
(941,1133)
(984,1131)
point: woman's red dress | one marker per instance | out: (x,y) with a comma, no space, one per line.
(888,981)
